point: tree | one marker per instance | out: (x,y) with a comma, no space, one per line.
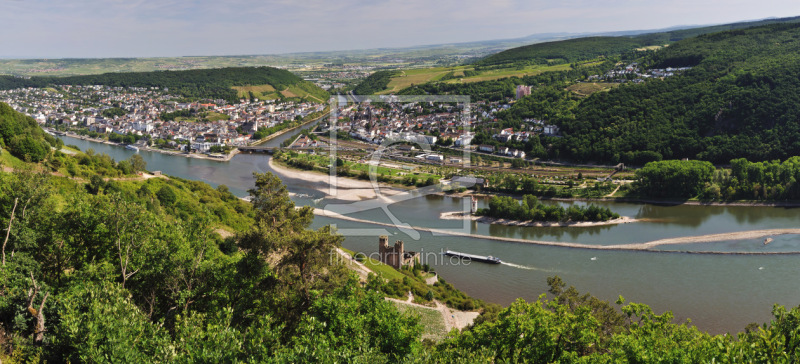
(96,183)
(27,147)
(38,314)
(25,192)
(674,178)
(137,163)
(280,229)
(167,195)
(131,229)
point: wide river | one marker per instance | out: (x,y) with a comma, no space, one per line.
(720,293)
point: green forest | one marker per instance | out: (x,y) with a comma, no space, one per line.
(214,83)
(531,209)
(737,101)
(744,180)
(586,48)
(376,82)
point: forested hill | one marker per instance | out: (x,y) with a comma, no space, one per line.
(740,99)
(580,49)
(203,83)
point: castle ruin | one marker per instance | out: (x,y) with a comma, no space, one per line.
(396,256)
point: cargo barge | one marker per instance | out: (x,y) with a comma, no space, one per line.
(478,258)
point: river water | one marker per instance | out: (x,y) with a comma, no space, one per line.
(720,293)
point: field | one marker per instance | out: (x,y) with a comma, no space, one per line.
(419,76)
(259,89)
(587,88)
(268,92)
(510,72)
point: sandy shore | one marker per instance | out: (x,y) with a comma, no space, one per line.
(340,188)
(460,215)
(648,246)
(710,238)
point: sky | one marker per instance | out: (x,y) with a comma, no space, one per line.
(166,28)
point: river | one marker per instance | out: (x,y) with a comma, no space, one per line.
(720,293)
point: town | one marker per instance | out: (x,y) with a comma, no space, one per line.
(153,118)
(436,123)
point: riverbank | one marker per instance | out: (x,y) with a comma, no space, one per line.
(339,188)
(644,201)
(642,247)
(225,158)
(461,215)
(325,113)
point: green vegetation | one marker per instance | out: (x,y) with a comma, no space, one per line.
(193,115)
(745,180)
(758,181)
(196,84)
(674,178)
(308,91)
(432,321)
(530,209)
(581,49)
(264,132)
(357,170)
(23,137)
(114,112)
(738,100)
(563,51)
(588,88)
(375,83)
(261,92)
(504,87)
(137,271)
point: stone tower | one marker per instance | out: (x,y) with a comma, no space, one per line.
(395,256)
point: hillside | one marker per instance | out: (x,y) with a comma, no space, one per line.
(740,99)
(22,137)
(580,49)
(202,83)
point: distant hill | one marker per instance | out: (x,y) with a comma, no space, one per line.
(740,99)
(202,83)
(579,49)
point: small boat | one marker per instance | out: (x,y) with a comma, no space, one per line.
(131,147)
(478,258)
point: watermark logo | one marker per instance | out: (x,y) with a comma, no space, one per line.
(394,125)
(423,257)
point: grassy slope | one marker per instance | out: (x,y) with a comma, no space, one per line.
(380,269)
(588,88)
(407,78)
(434,327)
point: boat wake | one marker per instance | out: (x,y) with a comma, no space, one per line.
(527,267)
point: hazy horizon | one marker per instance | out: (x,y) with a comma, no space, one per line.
(176,28)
